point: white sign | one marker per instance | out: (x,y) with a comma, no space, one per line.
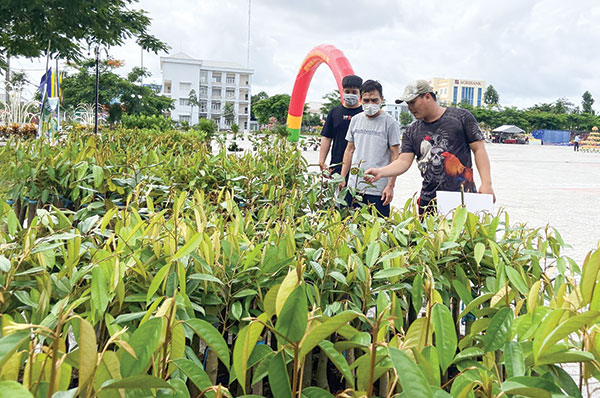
(475,202)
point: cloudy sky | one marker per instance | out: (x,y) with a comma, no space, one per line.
(531,51)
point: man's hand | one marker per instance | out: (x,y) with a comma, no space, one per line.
(323,166)
(372,175)
(387,195)
(487,188)
(342,184)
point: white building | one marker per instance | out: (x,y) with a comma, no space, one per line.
(395,110)
(454,91)
(215,83)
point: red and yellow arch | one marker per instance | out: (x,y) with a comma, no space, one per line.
(339,65)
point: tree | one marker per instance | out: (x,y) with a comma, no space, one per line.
(275,106)
(255,99)
(229,113)
(64,28)
(117,94)
(333,99)
(491,96)
(587,103)
(405,118)
(193,99)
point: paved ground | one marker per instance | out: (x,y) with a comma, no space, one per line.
(537,185)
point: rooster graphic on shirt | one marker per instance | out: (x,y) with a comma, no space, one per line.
(441,168)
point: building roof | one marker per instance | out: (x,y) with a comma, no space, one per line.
(182,57)
(508,128)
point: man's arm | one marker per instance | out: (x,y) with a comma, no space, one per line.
(324,151)
(347,162)
(483,167)
(396,168)
(388,192)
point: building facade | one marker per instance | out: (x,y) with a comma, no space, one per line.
(216,84)
(395,110)
(455,91)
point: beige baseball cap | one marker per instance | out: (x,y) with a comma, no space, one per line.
(414,89)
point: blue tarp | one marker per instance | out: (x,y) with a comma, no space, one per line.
(555,137)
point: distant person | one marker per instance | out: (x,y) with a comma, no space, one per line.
(336,125)
(576,143)
(373,141)
(442,140)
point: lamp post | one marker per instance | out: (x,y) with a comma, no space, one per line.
(139,97)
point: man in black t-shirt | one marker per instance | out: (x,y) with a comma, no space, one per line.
(442,140)
(336,125)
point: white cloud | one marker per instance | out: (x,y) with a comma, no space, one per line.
(531,51)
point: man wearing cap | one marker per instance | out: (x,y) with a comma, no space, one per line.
(336,125)
(442,140)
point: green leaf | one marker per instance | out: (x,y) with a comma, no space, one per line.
(563,330)
(338,360)
(316,392)
(589,276)
(293,319)
(139,381)
(462,291)
(12,222)
(88,351)
(475,303)
(205,277)
(278,377)
(324,330)
(156,281)
(144,341)
(98,173)
(4,264)
(10,344)
(516,279)
(287,286)
(530,386)
(390,273)
(245,293)
(189,247)
(372,253)
(565,357)
(478,252)
(338,276)
(411,378)
(498,331)
(12,389)
(195,373)
(244,346)
(212,338)
(445,335)
(99,290)
(460,217)
(513,359)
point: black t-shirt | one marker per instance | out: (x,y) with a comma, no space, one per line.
(442,151)
(336,127)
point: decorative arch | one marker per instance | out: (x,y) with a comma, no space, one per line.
(340,67)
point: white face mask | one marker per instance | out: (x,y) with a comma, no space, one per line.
(371,109)
(350,99)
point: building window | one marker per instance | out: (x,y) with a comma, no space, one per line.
(216,77)
(216,93)
(230,93)
(202,106)
(215,107)
(185,87)
(479,96)
(245,125)
(203,77)
(184,102)
(455,97)
(167,86)
(185,118)
(203,92)
(230,79)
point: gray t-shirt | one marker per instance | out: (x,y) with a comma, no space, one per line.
(372,139)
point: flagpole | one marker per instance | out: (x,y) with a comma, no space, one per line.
(45,93)
(58,96)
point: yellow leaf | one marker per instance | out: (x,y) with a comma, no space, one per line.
(287,286)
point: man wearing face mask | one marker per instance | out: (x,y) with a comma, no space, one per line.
(373,141)
(336,125)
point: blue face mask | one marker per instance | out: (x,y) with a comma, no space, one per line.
(350,99)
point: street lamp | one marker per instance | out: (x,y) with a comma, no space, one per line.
(139,97)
